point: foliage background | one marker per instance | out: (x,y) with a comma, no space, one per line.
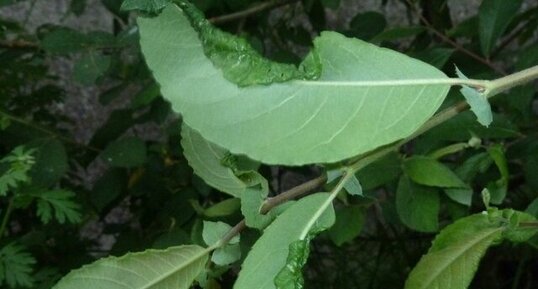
(88,106)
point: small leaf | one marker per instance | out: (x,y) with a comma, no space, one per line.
(57,203)
(477,101)
(14,168)
(429,172)
(51,163)
(175,267)
(494,17)
(126,152)
(463,196)
(499,188)
(224,208)
(226,255)
(353,187)
(348,224)
(214,231)
(417,206)
(287,228)
(16,266)
(90,67)
(367,25)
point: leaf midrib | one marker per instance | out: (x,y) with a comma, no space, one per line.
(464,249)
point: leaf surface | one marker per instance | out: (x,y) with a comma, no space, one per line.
(429,172)
(269,254)
(417,206)
(173,268)
(494,17)
(352,108)
(455,253)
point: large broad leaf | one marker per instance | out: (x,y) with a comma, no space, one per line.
(456,252)
(173,268)
(355,106)
(268,256)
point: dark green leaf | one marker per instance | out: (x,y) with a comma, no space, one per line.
(348,224)
(58,204)
(367,25)
(494,17)
(427,171)
(90,67)
(16,266)
(51,163)
(126,152)
(418,206)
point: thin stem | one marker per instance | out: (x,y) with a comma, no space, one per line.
(293,193)
(478,84)
(5,219)
(453,43)
(232,233)
(46,131)
(505,83)
(250,11)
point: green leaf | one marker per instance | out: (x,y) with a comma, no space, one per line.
(455,253)
(51,163)
(205,158)
(251,204)
(14,168)
(224,208)
(90,67)
(398,33)
(427,171)
(16,266)
(148,6)
(494,17)
(464,126)
(477,101)
(291,226)
(463,196)
(380,172)
(127,152)
(499,187)
(226,254)
(437,56)
(291,277)
(417,206)
(175,267)
(57,203)
(348,224)
(367,25)
(315,121)
(353,187)
(77,7)
(214,231)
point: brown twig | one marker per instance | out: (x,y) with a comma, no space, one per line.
(18,44)
(293,193)
(453,43)
(250,11)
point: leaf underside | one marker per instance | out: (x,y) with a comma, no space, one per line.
(269,254)
(296,122)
